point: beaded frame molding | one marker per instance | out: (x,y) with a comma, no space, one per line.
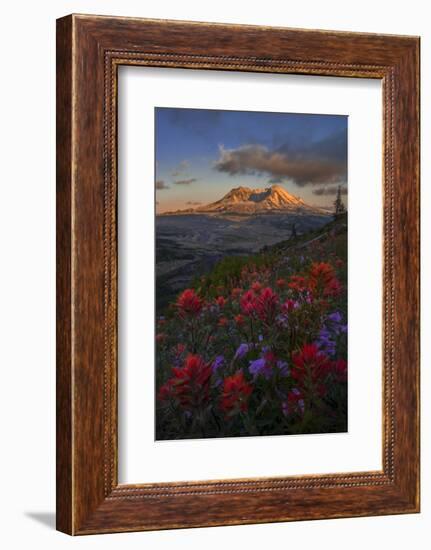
(89,51)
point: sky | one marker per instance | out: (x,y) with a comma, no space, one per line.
(202,154)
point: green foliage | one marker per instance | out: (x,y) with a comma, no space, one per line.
(227,272)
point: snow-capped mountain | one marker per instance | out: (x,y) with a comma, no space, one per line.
(246,201)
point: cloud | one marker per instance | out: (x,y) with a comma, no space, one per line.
(185,182)
(180,169)
(160,184)
(302,143)
(193,203)
(321,163)
(329,190)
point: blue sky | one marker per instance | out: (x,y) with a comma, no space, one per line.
(201,154)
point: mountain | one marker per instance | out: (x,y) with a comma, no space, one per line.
(246,201)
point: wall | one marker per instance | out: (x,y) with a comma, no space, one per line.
(27,218)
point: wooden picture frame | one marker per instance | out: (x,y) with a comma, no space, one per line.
(89,51)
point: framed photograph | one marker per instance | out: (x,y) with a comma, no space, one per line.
(237,274)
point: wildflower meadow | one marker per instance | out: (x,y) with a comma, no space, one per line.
(258,346)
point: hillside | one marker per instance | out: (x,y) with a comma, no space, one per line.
(189,245)
(258,345)
(329,240)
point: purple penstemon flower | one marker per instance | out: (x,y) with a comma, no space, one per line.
(266,367)
(294,402)
(242,351)
(335,322)
(331,329)
(283,367)
(335,317)
(257,366)
(326,342)
(217,363)
(282,319)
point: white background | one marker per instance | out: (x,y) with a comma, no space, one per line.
(141,458)
(27,123)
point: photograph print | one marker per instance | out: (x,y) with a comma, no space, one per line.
(251,273)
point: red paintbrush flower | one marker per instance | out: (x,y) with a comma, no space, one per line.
(222,322)
(332,288)
(248,302)
(281,283)
(266,304)
(256,286)
(298,283)
(189,303)
(190,384)
(339,369)
(310,368)
(165,392)
(323,279)
(239,319)
(235,395)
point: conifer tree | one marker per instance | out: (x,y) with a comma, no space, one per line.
(338,203)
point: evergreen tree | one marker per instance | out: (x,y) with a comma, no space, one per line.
(338,203)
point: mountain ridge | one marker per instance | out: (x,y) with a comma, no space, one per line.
(248,201)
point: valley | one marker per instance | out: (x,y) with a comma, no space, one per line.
(189,242)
